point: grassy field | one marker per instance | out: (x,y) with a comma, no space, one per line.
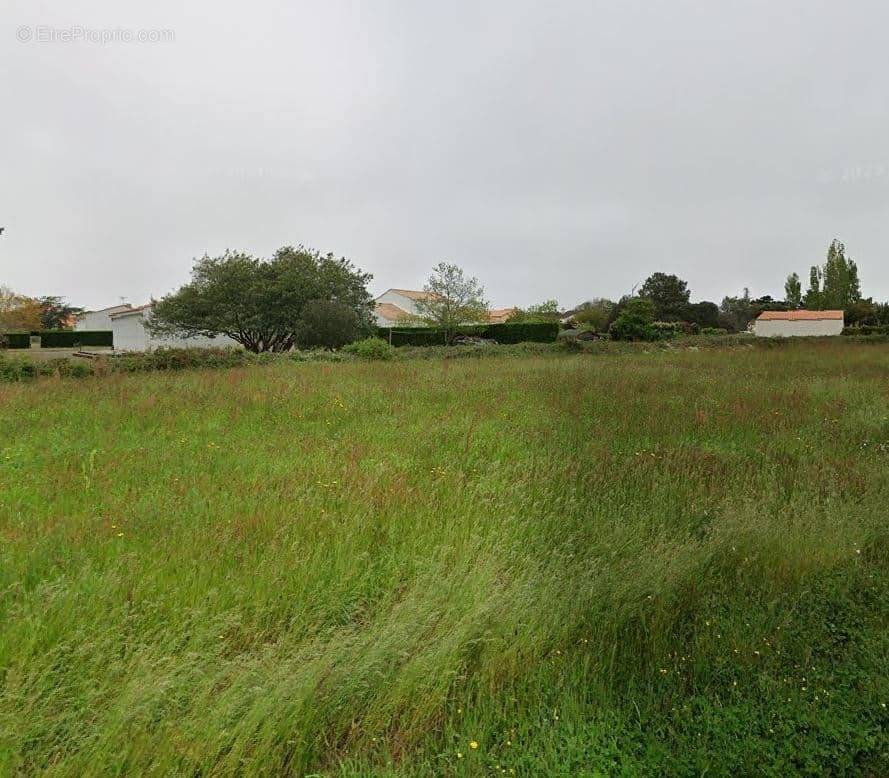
(654,563)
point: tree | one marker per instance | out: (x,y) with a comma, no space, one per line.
(259,302)
(812,298)
(55,314)
(735,313)
(635,320)
(452,299)
(835,284)
(17,312)
(327,324)
(669,294)
(548,310)
(594,314)
(841,286)
(704,314)
(793,291)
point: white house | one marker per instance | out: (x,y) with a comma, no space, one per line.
(793,324)
(396,307)
(99,320)
(130,334)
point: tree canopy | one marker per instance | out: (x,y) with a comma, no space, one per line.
(260,302)
(17,312)
(452,299)
(635,320)
(548,310)
(835,284)
(56,314)
(669,293)
(793,291)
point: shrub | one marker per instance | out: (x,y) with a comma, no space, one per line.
(17,340)
(714,331)
(508,332)
(76,338)
(635,322)
(327,324)
(62,339)
(370,348)
(867,329)
(16,369)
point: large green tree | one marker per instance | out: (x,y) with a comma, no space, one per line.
(736,313)
(452,298)
(260,302)
(669,293)
(793,291)
(17,312)
(835,284)
(56,314)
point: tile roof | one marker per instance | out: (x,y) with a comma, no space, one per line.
(800,316)
(390,311)
(413,294)
(129,311)
(499,315)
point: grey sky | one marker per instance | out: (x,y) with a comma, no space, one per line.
(563,151)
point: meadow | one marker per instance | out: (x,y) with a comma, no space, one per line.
(651,563)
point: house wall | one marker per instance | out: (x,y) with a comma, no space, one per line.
(96,320)
(398,299)
(777,328)
(130,335)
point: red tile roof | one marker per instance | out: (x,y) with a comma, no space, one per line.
(390,311)
(499,315)
(800,316)
(412,294)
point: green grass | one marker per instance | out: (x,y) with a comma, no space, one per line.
(654,563)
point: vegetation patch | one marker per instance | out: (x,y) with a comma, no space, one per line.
(674,562)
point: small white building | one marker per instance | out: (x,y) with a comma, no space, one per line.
(99,320)
(130,334)
(796,324)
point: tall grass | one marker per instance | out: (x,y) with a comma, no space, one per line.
(662,563)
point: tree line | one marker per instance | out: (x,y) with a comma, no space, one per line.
(666,298)
(300,298)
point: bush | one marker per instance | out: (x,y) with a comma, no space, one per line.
(76,338)
(714,331)
(370,348)
(327,324)
(16,369)
(62,339)
(867,329)
(508,332)
(665,330)
(181,359)
(17,340)
(635,322)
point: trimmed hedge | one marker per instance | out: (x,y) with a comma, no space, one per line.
(867,329)
(509,332)
(62,338)
(17,340)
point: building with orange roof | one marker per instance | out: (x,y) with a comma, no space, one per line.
(796,324)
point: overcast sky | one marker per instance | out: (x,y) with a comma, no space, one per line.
(561,149)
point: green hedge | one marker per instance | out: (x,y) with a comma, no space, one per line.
(519,332)
(867,329)
(62,338)
(17,339)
